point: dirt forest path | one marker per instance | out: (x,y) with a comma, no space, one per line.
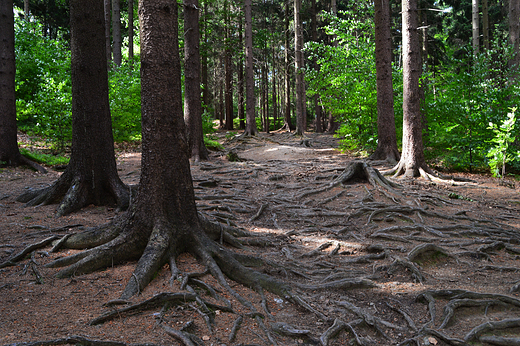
(420,263)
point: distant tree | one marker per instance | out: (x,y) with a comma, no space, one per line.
(475,25)
(514,30)
(130,30)
(298,70)
(116,32)
(9,152)
(387,138)
(251,129)
(192,99)
(91,176)
(287,114)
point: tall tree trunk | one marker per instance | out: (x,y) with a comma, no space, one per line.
(275,103)
(228,70)
(91,175)
(9,152)
(287,118)
(514,31)
(318,121)
(386,134)
(332,125)
(108,45)
(192,100)
(298,69)
(131,31)
(485,24)
(251,129)
(475,26)
(240,81)
(116,32)
(412,163)
(204,60)
(26,10)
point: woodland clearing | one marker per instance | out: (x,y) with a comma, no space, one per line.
(418,263)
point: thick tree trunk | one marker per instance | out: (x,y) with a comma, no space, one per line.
(298,69)
(192,100)
(9,152)
(116,32)
(251,129)
(412,163)
(204,60)
(387,138)
(108,45)
(91,176)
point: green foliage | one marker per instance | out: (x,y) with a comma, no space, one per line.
(46,159)
(464,97)
(346,78)
(43,86)
(125,101)
(498,154)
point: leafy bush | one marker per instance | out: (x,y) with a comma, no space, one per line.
(499,154)
(43,86)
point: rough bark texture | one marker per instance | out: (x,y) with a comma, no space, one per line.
(9,153)
(251,129)
(387,138)
(91,176)
(240,81)
(116,32)
(298,70)
(108,46)
(485,24)
(228,72)
(192,100)
(412,163)
(8,145)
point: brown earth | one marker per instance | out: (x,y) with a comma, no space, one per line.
(345,248)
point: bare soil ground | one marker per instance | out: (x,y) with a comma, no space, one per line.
(420,264)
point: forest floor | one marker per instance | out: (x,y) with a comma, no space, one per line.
(420,264)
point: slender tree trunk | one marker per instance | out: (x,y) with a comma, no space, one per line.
(228,70)
(485,24)
(298,69)
(240,81)
(251,129)
(412,163)
(204,60)
(274,97)
(287,114)
(26,10)
(91,175)
(475,26)
(514,31)
(192,100)
(116,32)
(108,45)
(386,134)
(332,125)
(131,31)
(318,122)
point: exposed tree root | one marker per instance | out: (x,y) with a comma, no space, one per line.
(22,254)
(76,340)
(74,192)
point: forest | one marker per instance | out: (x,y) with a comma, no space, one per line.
(217,172)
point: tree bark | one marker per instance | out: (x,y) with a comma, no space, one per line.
(287,118)
(485,24)
(108,45)
(298,69)
(332,125)
(228,70)
(475,26)
(412,163)
(192,100)
(240,80)
(131,31)
(91,175)
(9,152)
(386,135)
(251,129)
(116,32)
